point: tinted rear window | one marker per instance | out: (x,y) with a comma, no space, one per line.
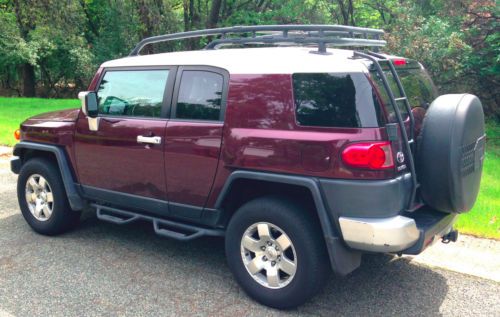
(335,100)
(417,84)
(200,95)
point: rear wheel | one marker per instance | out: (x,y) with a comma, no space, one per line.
(42,198)
(275,250)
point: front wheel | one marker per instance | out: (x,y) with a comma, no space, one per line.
(42,198)
(275,250)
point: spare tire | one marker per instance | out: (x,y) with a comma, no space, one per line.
(451,153)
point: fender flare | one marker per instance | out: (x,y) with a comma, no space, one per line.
(342,260)
(75,200)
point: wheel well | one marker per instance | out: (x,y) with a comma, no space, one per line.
(244,190)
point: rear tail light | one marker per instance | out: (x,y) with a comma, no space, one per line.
(17,134)
(371,155)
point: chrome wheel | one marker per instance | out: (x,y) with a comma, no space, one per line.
(268,255)
(39,197)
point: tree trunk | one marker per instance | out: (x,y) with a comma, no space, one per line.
(214,14)
(28,71)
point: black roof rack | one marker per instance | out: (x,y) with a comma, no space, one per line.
(320,35)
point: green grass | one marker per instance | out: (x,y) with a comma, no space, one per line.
(13,111)
(482,221)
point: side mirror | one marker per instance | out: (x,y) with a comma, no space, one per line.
(89,103)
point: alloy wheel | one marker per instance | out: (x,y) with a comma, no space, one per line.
(39,197)
(268,255)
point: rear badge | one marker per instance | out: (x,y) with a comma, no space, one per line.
(400,157)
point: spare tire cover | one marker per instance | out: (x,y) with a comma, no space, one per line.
(451,153)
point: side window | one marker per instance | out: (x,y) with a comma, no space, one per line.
(200,95)
(384,95)
(334,100)
(134,93)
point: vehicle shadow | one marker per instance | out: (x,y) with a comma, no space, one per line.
(138,273)
(383,284)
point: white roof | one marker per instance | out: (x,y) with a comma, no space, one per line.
(269,60)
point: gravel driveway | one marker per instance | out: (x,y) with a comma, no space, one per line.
(104,269)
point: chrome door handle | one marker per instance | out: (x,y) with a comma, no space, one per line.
(150,140)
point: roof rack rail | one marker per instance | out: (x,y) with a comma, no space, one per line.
(320,35)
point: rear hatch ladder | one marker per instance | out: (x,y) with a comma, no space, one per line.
(408,142)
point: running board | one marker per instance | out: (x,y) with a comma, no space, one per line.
(162,227)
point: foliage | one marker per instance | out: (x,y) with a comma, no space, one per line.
(56,45)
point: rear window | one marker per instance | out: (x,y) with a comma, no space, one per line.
(417,84)
(335,100)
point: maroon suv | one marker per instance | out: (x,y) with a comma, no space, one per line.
(302,156)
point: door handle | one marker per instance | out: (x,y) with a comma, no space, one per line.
(149,139)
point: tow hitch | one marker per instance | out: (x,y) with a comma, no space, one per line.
(452,236)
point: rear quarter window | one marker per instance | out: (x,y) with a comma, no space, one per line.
(418,86)
(335,100)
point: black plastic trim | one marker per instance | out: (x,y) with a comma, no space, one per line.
(431,224)
(152,207)
(128,201)
(185,211)
(366,198)
(15,165)
(342,259)
(75,200)
(162,227)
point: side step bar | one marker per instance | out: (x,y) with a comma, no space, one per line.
(162,227)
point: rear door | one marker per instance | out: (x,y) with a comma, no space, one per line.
(193,137)
(123,161)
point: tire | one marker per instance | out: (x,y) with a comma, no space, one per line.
(51,197)
(307,252)
(451,152)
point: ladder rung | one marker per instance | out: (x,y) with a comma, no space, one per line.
(399,99)
(411,141)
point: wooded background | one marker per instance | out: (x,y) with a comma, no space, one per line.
(51,48)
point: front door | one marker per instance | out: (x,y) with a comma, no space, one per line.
(123,161)
(193,138)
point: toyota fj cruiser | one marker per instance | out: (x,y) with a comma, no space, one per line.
(301,155)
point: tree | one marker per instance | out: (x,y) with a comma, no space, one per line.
(56,45)
(26,23)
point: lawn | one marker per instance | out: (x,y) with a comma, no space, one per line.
(483,220)
(13,111)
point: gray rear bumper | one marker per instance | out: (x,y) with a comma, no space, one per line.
(370,216)
(391,234)
(409,234)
